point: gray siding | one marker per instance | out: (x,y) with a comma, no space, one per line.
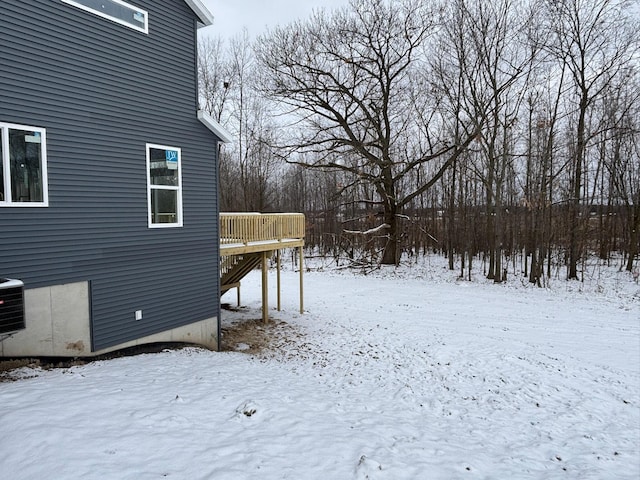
(103,91)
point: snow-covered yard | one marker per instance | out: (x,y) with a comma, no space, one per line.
(401,374)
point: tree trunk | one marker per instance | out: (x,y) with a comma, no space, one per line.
(634,235)
(452,215)
(498,238)
(575,220)
(391,254)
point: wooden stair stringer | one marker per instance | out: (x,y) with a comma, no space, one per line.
(239,269)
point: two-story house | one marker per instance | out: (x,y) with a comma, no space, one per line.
(108,175)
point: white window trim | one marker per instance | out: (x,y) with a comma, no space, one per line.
(6,166)
(115,19)
(164,187)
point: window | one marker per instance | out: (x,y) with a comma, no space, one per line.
(117,11)
(23,172)
(164,186)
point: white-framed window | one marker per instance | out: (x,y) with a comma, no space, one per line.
(116,11)
(164,186)
(23,166)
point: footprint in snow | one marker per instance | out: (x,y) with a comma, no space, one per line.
(247,409)
(367,469)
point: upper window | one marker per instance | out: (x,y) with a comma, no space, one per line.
(164,186)
(23,166)
(117,11)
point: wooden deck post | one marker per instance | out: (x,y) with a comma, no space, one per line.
(301,277)
(265,289)
(278,275)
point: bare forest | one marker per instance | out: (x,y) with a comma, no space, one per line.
(505,132)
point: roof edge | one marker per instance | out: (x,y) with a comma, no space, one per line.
(215,127)
(205,17)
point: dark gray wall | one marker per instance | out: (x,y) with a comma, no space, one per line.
(102,91)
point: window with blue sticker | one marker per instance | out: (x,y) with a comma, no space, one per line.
(164,186)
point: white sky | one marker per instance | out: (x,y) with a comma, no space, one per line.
(232,15)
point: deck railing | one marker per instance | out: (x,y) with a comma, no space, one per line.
(246,239)
(246,228)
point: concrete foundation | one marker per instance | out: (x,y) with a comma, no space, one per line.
(58,325)
(203,333)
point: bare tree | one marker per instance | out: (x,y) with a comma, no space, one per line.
(621,152)
(594,40)
(543,112)
(228,93)
(214,80)
(492,62)
(214,77)
(345,78)
(477,129)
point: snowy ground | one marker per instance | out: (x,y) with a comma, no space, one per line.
(401,374)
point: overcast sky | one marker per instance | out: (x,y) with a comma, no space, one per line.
(232,15)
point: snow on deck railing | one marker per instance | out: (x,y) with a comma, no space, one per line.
(260,227)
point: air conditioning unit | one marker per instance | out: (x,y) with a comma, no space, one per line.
(11,306)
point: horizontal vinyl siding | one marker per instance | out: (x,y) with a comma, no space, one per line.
(103,91)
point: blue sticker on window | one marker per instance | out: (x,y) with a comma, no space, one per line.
(171,157)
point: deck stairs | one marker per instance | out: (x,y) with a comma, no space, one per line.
(234,268)
(246,242)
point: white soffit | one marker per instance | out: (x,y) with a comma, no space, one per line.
(202,12)
(215,127)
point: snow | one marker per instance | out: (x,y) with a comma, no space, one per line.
(403,373)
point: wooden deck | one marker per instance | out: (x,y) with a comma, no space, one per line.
(248,239)
(259,232)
